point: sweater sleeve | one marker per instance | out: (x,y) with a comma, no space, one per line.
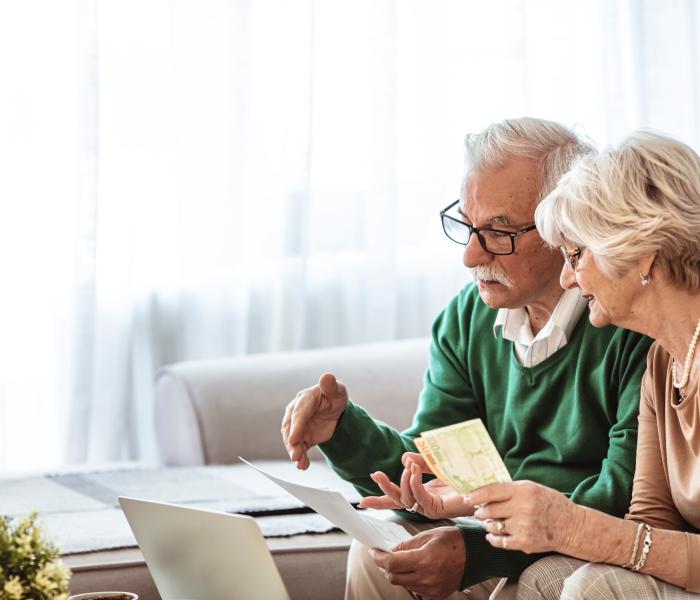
(484,561)
(361,445)
(652,501)
(610,489)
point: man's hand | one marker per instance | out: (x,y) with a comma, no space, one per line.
(435,499)
(312,416)
(430,564)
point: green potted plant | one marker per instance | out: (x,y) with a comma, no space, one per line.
(30,567)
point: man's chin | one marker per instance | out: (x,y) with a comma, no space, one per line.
(494,294)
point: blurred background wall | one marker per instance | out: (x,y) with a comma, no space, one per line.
(194,178)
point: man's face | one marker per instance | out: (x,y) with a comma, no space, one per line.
(506,199)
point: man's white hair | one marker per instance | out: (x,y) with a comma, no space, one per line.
(639,200)
(553,145)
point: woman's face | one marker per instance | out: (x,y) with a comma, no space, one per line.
(610,301)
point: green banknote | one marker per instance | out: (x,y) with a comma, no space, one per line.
(463,456)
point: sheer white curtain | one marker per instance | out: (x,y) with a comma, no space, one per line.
(186,179)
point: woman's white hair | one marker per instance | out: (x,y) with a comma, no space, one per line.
(639,200)
(552,144)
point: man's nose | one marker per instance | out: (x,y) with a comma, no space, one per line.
(567,277)
(474,254)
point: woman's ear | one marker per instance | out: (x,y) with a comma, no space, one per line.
(645,264)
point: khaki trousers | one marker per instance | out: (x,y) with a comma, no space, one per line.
(366,581)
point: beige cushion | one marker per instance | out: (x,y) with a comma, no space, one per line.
(212,411)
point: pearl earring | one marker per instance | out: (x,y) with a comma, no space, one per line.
(645,279)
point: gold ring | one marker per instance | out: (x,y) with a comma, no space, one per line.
(501,526)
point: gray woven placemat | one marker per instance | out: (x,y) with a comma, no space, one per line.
(80,511)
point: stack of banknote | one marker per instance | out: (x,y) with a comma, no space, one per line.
(463,456)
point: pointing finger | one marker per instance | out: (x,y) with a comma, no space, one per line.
(387,486)
(379,503)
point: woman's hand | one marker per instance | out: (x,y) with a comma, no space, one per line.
(524,515)
(435,499)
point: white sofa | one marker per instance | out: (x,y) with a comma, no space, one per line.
(212,411)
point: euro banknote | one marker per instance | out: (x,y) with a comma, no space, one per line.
(463,456)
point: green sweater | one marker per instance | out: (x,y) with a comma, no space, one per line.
(569,423)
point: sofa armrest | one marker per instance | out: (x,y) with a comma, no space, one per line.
(212,411)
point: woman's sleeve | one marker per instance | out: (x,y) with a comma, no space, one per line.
(651,496)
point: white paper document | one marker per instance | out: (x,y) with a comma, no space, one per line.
(368,530)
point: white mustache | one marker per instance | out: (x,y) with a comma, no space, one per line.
(486,273)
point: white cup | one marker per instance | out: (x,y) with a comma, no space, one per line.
(105,596)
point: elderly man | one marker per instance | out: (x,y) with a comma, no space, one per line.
(558,396)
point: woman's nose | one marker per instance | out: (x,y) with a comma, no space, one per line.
(567,278)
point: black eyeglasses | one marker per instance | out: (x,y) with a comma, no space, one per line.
(571,256)
(495,241)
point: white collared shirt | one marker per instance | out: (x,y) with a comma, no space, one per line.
(514,325)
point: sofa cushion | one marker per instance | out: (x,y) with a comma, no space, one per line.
(213,411)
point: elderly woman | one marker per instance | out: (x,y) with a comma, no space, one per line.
(628,224)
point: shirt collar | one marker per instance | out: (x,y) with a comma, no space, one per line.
(514,324)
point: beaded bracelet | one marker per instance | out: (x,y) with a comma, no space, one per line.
(645,548)
(637,537)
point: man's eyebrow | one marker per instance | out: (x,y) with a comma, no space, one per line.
(497,219)
(501,219)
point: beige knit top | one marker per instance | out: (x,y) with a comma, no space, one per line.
(666,491)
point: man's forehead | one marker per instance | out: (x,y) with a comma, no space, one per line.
(506,196)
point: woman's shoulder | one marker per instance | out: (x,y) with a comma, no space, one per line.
(655,381)
(658,360)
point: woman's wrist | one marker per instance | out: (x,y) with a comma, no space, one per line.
(573,531)
(597,537)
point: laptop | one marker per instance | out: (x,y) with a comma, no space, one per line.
(196,554)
